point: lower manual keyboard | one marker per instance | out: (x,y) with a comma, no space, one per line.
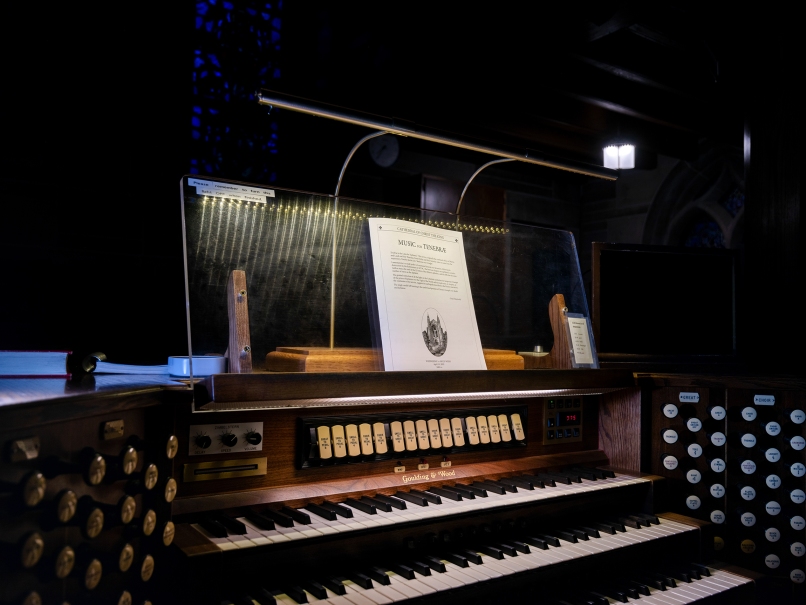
(417,505)
(478,559)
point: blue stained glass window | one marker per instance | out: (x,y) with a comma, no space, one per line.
(232,136)
(705,234)
(734,202)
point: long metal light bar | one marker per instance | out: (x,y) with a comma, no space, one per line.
(408,129)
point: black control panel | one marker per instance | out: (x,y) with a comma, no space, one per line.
(737,458)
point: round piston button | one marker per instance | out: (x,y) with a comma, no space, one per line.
(772,454)
(717,490)
(717,516)
(670,462)
(719,543)
(717,412)
(670,436)
(748,467)
(693,502)
(693,476)
(748,519)
(670,410)
(749,414)
(749,440)
(748,492)
(797,443)
(797,549)
(748,546)
(798,496)
(717,465)
(772,561)
(694,424)
(798,469)
(772,429)
(797,416)
(772,508)
(797,576)
(773,481)
(797,522)
(772,534)
(694,450)
(718,439)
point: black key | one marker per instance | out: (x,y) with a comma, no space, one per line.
(421,568)
(378,575)
(589,599)
(340,510)
(640,587)
(629,522)
(496,489)
(580,535)
(605,527)
(465,493)
(264,597)
(491,551)
(259,520)
(316,589)
(233,525)
(360,579)
(507,487)
(456,559)
(403,570)
(652,581)
(393,502)
(534,481)
(296,593)
(573,477)
(547,481)
(592,533)
(435,564)
(608,474)
(444,493)
(536,542)
(651,518)
(702,569)
(413,498)
(679,574)
(584,474)
(477,491)
(604,596)
(599,474)
(666,579)
(471,556)
(629,590)
(214,527)
(362,506)
(320,511)
(555,478)
(520,547)
(640,520)
(242,600)
(278,517)
(378,504)
(335,586)
(565,535)
(548,539)
(432,498)
(614,593)
(506,548)
(297,515)
(516,483)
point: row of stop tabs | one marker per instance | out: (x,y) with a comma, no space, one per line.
(339,441)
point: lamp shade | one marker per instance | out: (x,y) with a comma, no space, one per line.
(611,157)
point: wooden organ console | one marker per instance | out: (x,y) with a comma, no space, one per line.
(245,505)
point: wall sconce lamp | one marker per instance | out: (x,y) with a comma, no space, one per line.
(619,156)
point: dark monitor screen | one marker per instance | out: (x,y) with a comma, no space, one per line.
(655,300)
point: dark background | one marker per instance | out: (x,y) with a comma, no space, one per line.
(104,109)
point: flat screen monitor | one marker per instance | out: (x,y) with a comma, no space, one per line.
(663,303)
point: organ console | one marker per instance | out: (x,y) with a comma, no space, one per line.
(560,486)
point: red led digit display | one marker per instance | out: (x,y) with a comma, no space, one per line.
(566,418)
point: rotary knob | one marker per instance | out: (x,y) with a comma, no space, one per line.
(253,437)
(203,441)
(228,439)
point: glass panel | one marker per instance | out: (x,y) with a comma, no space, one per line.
(284,244)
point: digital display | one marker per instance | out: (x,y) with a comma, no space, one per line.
(567,418)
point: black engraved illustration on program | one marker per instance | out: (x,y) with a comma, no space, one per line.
(434,333)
